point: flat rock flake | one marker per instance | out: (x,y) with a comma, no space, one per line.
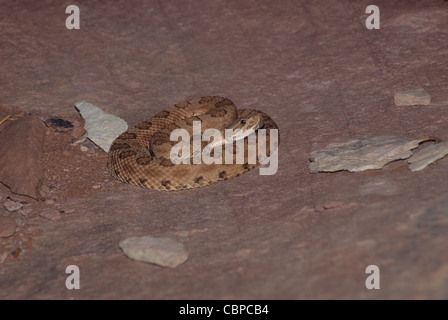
(368,153)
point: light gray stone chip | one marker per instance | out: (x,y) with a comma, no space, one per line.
(102,128)
(412,97)
(165,252)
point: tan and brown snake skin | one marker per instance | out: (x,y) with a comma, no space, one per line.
(140,156)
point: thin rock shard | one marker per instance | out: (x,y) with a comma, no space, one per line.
(412,97)
(362,153)
(428,155)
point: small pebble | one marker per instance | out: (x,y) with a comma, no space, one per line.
(84,149)
(165,252)
(49,201)
(12,205)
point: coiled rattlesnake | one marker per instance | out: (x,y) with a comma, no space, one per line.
(140,155)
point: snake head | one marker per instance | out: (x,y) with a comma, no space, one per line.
(246,125)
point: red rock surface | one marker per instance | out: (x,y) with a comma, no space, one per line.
(313,67)
(21,155)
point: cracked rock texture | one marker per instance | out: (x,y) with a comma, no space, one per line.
(313,67)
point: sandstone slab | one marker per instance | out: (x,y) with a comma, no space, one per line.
(21,154)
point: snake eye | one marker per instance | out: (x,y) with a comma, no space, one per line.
(243,121)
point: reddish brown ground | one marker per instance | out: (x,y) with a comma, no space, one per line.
(313,67)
